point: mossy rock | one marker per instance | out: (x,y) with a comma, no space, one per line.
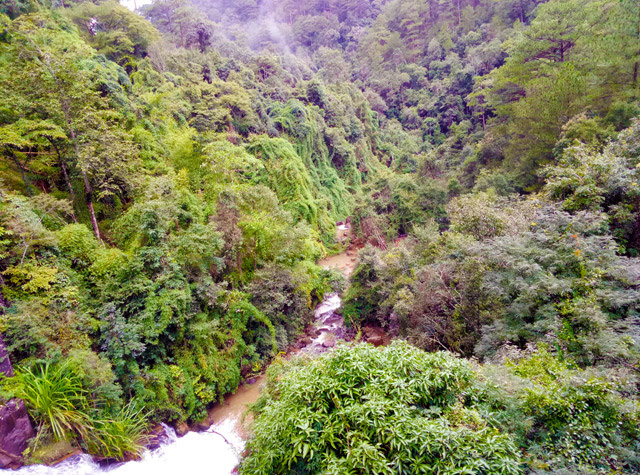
(53,452)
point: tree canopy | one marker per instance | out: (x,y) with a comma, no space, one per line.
(170,177)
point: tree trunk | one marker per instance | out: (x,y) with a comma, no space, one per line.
(67,181)
(71,192)
(64,103)
(26,182)
(88,192)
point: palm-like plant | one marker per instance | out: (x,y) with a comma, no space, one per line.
(119,437)
(55,397)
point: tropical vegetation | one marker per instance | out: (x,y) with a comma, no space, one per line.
(170,177)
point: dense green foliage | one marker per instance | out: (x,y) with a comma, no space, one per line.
(361,410)
(515,272)
(170,177)
(401,410)
(57,398)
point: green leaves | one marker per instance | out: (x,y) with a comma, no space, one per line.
(608,180)
(363,410)
(556,69)
(580,419)
(29,133)
(56,398)
(563,283)
(120,436)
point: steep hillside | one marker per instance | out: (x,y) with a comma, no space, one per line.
(170,177)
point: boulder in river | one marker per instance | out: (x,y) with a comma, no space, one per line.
(329,342)
(15,432)
(333,318)
(375,340)
(375,336)
(202,426)
(156,437)
(182,428)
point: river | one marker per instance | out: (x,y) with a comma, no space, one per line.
(217,450)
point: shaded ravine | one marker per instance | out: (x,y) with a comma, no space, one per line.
(328,327)
(217,450)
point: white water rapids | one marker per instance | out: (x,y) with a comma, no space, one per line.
(216,451)
(329,326)
(213,452)
(195,453)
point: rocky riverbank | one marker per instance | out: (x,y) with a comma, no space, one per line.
(223,433)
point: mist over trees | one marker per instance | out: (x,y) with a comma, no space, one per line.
(170,177)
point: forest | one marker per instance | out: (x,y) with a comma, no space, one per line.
(170,177)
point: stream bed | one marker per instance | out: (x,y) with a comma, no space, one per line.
(217,450)
(194,453)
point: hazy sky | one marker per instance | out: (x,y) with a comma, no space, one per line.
(130,3)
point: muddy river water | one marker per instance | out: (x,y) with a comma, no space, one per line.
(217,450)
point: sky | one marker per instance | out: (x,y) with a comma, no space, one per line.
(130,3)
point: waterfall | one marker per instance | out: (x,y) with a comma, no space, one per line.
(195,453)
(216,451)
